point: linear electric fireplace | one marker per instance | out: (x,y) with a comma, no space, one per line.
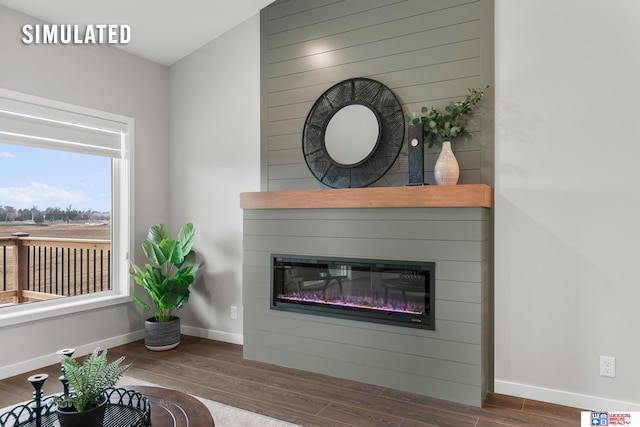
(381,291)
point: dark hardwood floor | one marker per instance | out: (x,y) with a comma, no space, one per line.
(217,371)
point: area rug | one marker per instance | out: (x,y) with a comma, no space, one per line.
(223,415)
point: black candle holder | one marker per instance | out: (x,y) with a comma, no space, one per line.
(33,412)
(66,352)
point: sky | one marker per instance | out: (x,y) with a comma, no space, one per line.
(49,178)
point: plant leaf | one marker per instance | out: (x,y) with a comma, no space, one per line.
(186,238)
(89,380)
(153,251)
(158,233)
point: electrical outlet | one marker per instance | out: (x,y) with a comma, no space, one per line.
(234,312)
(607,366)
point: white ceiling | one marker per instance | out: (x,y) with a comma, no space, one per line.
(162,31)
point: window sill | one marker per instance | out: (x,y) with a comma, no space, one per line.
(48,309)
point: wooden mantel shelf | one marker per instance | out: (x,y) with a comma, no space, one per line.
(428,196)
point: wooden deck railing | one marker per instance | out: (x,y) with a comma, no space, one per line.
(42,268)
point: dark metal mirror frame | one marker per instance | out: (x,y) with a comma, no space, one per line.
(383,102)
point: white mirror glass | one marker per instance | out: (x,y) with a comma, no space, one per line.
(351,134)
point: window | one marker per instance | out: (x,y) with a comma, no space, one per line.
(57,148)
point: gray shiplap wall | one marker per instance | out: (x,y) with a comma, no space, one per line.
(450,362)
(427,51)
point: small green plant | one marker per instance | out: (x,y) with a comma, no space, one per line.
(445,125)
(171,271)
(89,380)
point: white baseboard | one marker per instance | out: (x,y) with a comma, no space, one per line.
(212,335)
(560,397)
(50,359)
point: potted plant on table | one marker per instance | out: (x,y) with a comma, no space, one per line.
(441,126)
(166,279)
(85,403)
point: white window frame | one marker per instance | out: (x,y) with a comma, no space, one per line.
(121,219)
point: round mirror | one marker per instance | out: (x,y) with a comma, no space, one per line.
(352,134)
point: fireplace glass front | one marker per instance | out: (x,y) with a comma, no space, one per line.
(382,291)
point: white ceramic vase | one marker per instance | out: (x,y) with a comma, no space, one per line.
(446,170)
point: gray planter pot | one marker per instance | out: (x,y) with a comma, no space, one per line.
(162,336)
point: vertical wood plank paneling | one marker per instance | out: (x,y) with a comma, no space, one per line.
(427,51)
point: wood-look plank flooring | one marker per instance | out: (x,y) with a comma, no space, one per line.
(217,371)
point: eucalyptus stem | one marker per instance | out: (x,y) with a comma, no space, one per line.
(444,125)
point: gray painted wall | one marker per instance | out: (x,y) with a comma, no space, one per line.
(576,211)
(450,362)
(215,156)
(427,52)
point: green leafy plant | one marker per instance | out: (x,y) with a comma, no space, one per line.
(89,380)
(445,125)
(171,270)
